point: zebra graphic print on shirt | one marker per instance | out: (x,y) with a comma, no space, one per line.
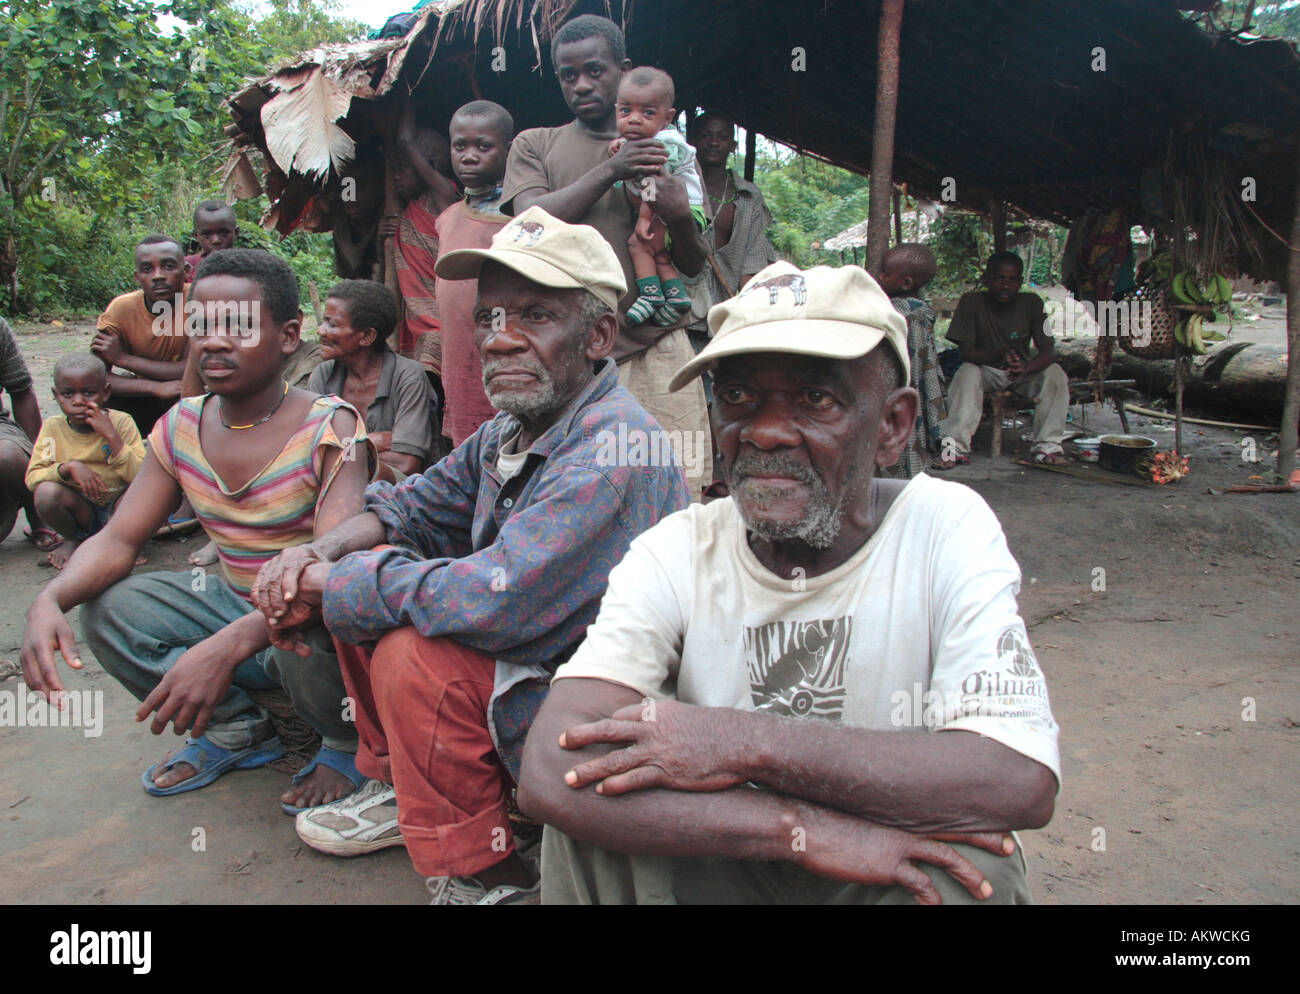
(797,667)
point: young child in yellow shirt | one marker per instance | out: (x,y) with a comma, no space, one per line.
(84,458)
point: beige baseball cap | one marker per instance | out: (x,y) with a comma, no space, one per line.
(836,313)
(548,251)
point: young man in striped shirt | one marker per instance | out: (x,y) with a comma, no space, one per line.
(266,468)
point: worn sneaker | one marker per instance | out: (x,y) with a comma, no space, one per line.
(364,821)
(468,890)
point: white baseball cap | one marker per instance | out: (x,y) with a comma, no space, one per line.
(548,251)
(835,313)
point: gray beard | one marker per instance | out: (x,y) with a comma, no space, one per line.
(820,525)
(529,405)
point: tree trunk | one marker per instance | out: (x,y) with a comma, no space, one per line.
(1243,377)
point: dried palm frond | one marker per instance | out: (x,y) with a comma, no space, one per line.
(301,123)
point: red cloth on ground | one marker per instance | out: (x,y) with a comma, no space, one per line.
(459,227)
(422,722)
(417,250)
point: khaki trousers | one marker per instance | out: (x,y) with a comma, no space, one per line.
(575,873)
(1050,389)
(683,414)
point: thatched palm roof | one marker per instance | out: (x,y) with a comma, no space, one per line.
(1001,96)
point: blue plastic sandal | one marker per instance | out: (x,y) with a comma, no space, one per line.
(211,761)
(343,762)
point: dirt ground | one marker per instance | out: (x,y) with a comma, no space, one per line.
(1171,794)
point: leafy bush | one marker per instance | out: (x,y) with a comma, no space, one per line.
(73,262)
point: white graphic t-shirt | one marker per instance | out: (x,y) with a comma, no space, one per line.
(918,630)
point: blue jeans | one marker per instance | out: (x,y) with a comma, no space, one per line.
(139,627)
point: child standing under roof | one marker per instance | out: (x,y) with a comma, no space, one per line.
(215,228)
(481,132)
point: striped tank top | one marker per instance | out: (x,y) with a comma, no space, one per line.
(276,509)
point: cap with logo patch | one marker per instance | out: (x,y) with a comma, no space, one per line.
(834,313)
(548,251)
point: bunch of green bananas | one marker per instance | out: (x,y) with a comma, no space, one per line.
(1157,269)
(1188,332)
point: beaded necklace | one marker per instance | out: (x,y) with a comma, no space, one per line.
(722,202)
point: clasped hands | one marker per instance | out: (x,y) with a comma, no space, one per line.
(288,591)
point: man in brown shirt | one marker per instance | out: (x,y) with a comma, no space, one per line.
(995,331)
(141,335)
(568,172)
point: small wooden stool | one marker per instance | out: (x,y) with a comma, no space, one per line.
(999,402)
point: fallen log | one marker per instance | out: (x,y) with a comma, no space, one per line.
(1233,376)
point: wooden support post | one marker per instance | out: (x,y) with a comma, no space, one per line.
(998,221)
(1289,436)
(392,206)
(751,153)
(1178,402)
(882,134)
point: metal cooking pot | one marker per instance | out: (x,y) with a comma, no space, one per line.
(1122,453)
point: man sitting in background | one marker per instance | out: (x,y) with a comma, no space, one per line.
(995,330)
(142,334)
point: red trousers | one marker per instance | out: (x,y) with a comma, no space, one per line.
(421,711)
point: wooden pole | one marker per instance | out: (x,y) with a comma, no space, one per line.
(1178,401)
(392,205)
(751,153)
(882,133)
(1289,436)
(998,221)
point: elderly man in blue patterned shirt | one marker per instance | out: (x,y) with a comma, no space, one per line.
(496,561)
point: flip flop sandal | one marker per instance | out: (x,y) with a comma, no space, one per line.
(176,526)
(956,461)
(45,539)
(343,762)
(1050,458)
(211,761)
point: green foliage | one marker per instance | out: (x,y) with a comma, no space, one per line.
(111,117)
(1276,19)
(810,201)
(293,26)
(73,263)
(961,243)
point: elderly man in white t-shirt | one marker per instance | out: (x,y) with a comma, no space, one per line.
(752,716)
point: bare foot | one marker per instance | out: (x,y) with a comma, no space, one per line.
(58,556)
(140,560)
(206,556)
(177,774)
(320,786)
